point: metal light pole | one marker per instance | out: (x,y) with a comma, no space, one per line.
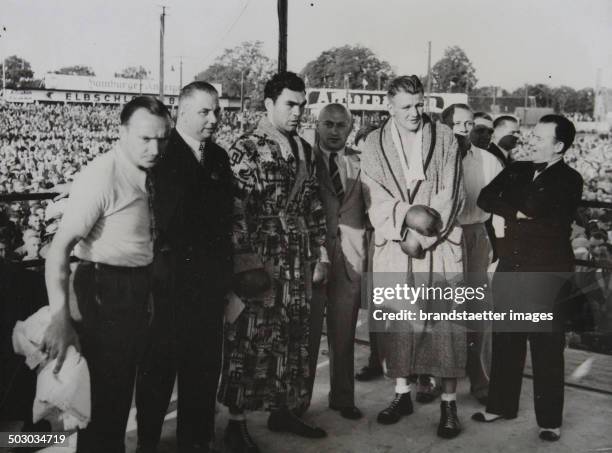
(346,87)
(162,26)
(282,35)
(3,30)
(181,73)
(428,75)
(242,90)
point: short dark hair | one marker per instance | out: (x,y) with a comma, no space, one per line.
(449,112)
(484,115)
(363,133)
(281,80)
(501,120)
(408,84)
(149,103)
(565,131)
(198,85)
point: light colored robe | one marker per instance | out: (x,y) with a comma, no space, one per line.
(413,347)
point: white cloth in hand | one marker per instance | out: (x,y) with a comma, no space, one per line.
(67,394)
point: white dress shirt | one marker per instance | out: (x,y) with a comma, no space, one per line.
(344,166)
(108,208)
(479,168)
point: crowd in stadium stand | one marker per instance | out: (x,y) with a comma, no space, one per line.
(42,146)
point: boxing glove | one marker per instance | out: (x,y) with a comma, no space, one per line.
(412,247)
(424,220)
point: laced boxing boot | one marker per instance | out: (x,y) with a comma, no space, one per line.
(449,426)
(401,405)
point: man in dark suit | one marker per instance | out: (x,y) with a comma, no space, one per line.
(192,273)
(538,201)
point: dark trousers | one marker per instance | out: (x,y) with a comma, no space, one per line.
(317,315)
(341,316)
(374,358)
(508,361)
(185,339)
(342,313)
(113,304)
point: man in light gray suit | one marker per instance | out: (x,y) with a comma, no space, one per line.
(338,172)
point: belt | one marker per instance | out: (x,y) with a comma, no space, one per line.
(112,268)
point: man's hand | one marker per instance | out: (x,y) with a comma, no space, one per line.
(424,220)
(252,283)
(59,335)
(321,273)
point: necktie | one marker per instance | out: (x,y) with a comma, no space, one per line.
(150,187)
(201,154)
(334,172)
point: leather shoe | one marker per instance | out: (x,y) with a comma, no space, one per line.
(401,405)
(548,435)
(368,373)
(350,412)
(449,426)
(285,420)
(238,439)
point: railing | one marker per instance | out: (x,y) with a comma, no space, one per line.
(8,198)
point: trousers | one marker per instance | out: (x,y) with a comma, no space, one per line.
(113,304)
(185,342)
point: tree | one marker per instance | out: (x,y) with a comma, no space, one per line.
(246,59)
(454,72)
(487,91)
(363,67)
(544,95)
(19,73)
(134,72)
(564,99)
(585,99)
(78,70)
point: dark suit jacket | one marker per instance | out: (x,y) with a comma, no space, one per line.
(497,152)
(536,257)
(551,200)
(193,213)
(347,221)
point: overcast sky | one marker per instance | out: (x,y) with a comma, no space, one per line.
(559,42)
